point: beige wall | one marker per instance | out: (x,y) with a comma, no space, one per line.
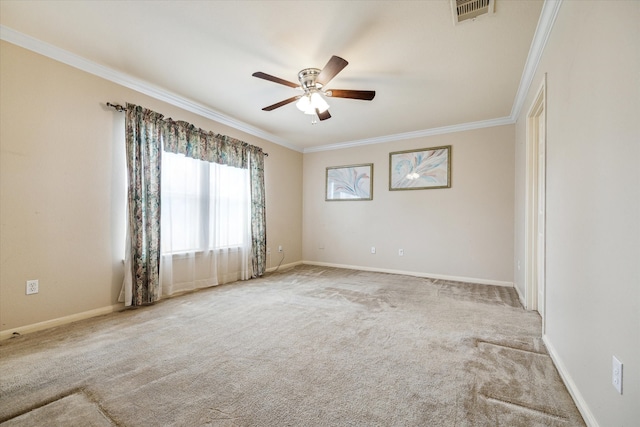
(63,188)
(465,231)
(592,63)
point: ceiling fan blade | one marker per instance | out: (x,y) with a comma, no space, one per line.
(261,75)
(323,116)
(365,95)
(333,67)
(281,103)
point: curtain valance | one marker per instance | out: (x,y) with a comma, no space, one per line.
(184,138)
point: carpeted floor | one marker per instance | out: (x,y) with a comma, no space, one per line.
(311,346)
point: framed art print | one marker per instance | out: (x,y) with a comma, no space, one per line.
(353,182)
(420,169)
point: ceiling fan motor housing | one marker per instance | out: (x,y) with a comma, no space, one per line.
(307,78)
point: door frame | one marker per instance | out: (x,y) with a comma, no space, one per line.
(535,117)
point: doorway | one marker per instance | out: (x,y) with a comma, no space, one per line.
(535,215)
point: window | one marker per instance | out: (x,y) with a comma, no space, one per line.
(204,205)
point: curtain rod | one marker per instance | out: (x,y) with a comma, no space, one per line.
(120,109)
(117,107)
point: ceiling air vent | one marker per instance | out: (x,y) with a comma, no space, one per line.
(464,10)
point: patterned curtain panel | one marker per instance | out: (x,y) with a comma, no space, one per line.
(258,212)
(144,148)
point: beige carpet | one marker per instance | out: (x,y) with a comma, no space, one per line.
(312,346)
(74,410)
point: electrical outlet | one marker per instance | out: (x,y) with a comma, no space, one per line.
(280,248)
(617,375)
(400,252)
(373,249)
(268,251)
(32,287)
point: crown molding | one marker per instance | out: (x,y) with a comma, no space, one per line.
(548,16)
(543,30)
(416,134)
(38,46)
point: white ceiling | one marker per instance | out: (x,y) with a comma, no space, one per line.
(427,73)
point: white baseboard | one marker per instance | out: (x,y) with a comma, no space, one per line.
(60,321)
(520,296)
(87,314)
(283,266)
(118,307)
(414,273)
(588,417)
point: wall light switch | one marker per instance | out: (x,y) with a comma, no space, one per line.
(373,249)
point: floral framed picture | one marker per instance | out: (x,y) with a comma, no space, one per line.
(348,183)
(422,169)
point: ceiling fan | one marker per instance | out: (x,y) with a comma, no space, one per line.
(313,82)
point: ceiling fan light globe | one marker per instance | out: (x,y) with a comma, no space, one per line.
(303,103)
(318,102)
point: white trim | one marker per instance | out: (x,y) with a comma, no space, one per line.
(520,296)
(588,417)
(416,134)
(19,39)
(548,16)
(290,265)
(61,321)
(414,273)
(545,24)
(536,113)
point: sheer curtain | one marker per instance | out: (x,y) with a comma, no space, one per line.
(206,215)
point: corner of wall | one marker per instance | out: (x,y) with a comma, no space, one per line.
(570,384)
